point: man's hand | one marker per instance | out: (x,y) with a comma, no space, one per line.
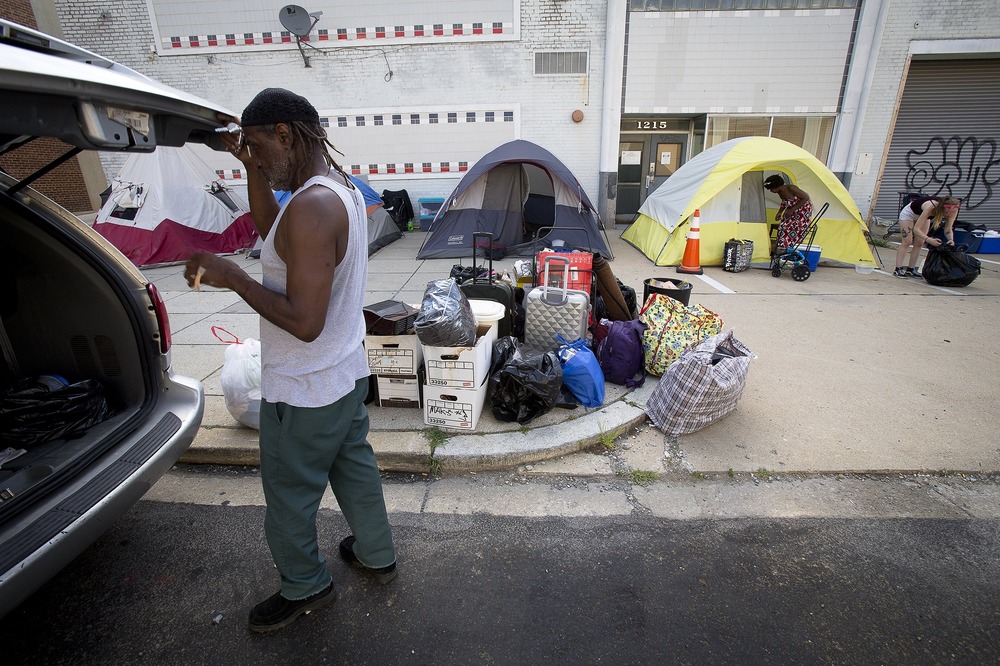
(234,142)
(210,270)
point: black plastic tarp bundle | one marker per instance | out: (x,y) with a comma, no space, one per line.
(37,410)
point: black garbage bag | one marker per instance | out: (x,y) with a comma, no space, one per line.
(445,318)
(464,274)
(523,386)
(950,266)
(38,410)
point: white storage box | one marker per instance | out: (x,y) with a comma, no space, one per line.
(461,367)
(454,408)
(394,355)
(400,391)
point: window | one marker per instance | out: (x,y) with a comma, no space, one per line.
(814,133)
(735,5)
(560,62)
(397,119)
(432,118)
(508,116)
(414,118)
(379,120)
(470,117)
(490,117)
(452,117)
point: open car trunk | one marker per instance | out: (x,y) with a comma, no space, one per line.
(63,316)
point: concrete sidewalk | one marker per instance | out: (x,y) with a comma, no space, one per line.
(855,372)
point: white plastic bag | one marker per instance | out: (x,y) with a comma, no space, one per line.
(241,381)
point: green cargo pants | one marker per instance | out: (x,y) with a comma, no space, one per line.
(302,449)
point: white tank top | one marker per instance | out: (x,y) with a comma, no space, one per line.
(318,373)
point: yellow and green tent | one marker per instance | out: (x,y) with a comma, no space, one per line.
(726,185)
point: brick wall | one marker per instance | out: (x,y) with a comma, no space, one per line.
(907,21)
(440,77)
(64,184)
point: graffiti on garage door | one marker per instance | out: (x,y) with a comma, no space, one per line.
(964,167)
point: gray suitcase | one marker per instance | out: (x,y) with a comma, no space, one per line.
(552,311)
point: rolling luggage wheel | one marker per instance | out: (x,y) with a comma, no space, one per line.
(801,273)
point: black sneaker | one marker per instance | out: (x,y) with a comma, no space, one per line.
(914,272)
(900,272)
(383,575)
(276,611)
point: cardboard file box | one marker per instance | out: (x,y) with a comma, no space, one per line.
(394,355)
(461,367)
(401,391)
(454,408)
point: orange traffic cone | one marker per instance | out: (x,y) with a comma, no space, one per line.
(691,263)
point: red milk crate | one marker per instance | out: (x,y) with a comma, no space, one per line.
(581,269)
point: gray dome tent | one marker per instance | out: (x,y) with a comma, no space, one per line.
(512,192)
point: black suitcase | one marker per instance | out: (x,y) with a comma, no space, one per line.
(485,289)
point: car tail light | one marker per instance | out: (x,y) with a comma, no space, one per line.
(161,317)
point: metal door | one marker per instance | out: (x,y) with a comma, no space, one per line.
(643,164)
(665,156)
(630,177)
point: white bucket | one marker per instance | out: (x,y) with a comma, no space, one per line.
(487,312)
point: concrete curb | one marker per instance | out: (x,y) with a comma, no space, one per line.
(410,451)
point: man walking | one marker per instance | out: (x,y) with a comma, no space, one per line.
(314,373)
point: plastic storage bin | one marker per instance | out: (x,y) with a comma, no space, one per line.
(427,208)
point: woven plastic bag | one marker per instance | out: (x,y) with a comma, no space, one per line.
(704,385)
(672,327)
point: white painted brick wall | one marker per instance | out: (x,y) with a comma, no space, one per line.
(910,20)
(441,77)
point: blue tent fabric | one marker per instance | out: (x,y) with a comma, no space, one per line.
(371,196)
(501,204)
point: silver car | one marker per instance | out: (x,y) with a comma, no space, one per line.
(72,305)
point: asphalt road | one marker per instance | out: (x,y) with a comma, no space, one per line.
(498,589)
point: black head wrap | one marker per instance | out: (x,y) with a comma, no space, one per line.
(277,105)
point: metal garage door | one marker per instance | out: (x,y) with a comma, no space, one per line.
(945,138)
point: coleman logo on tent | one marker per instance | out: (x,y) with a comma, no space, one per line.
(456,239)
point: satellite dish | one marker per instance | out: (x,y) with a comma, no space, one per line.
(297,20)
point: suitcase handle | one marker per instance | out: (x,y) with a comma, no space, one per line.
(489,253)
(562,295)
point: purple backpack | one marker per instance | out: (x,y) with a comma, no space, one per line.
(621,355)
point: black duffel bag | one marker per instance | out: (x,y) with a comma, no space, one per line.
(950,266)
